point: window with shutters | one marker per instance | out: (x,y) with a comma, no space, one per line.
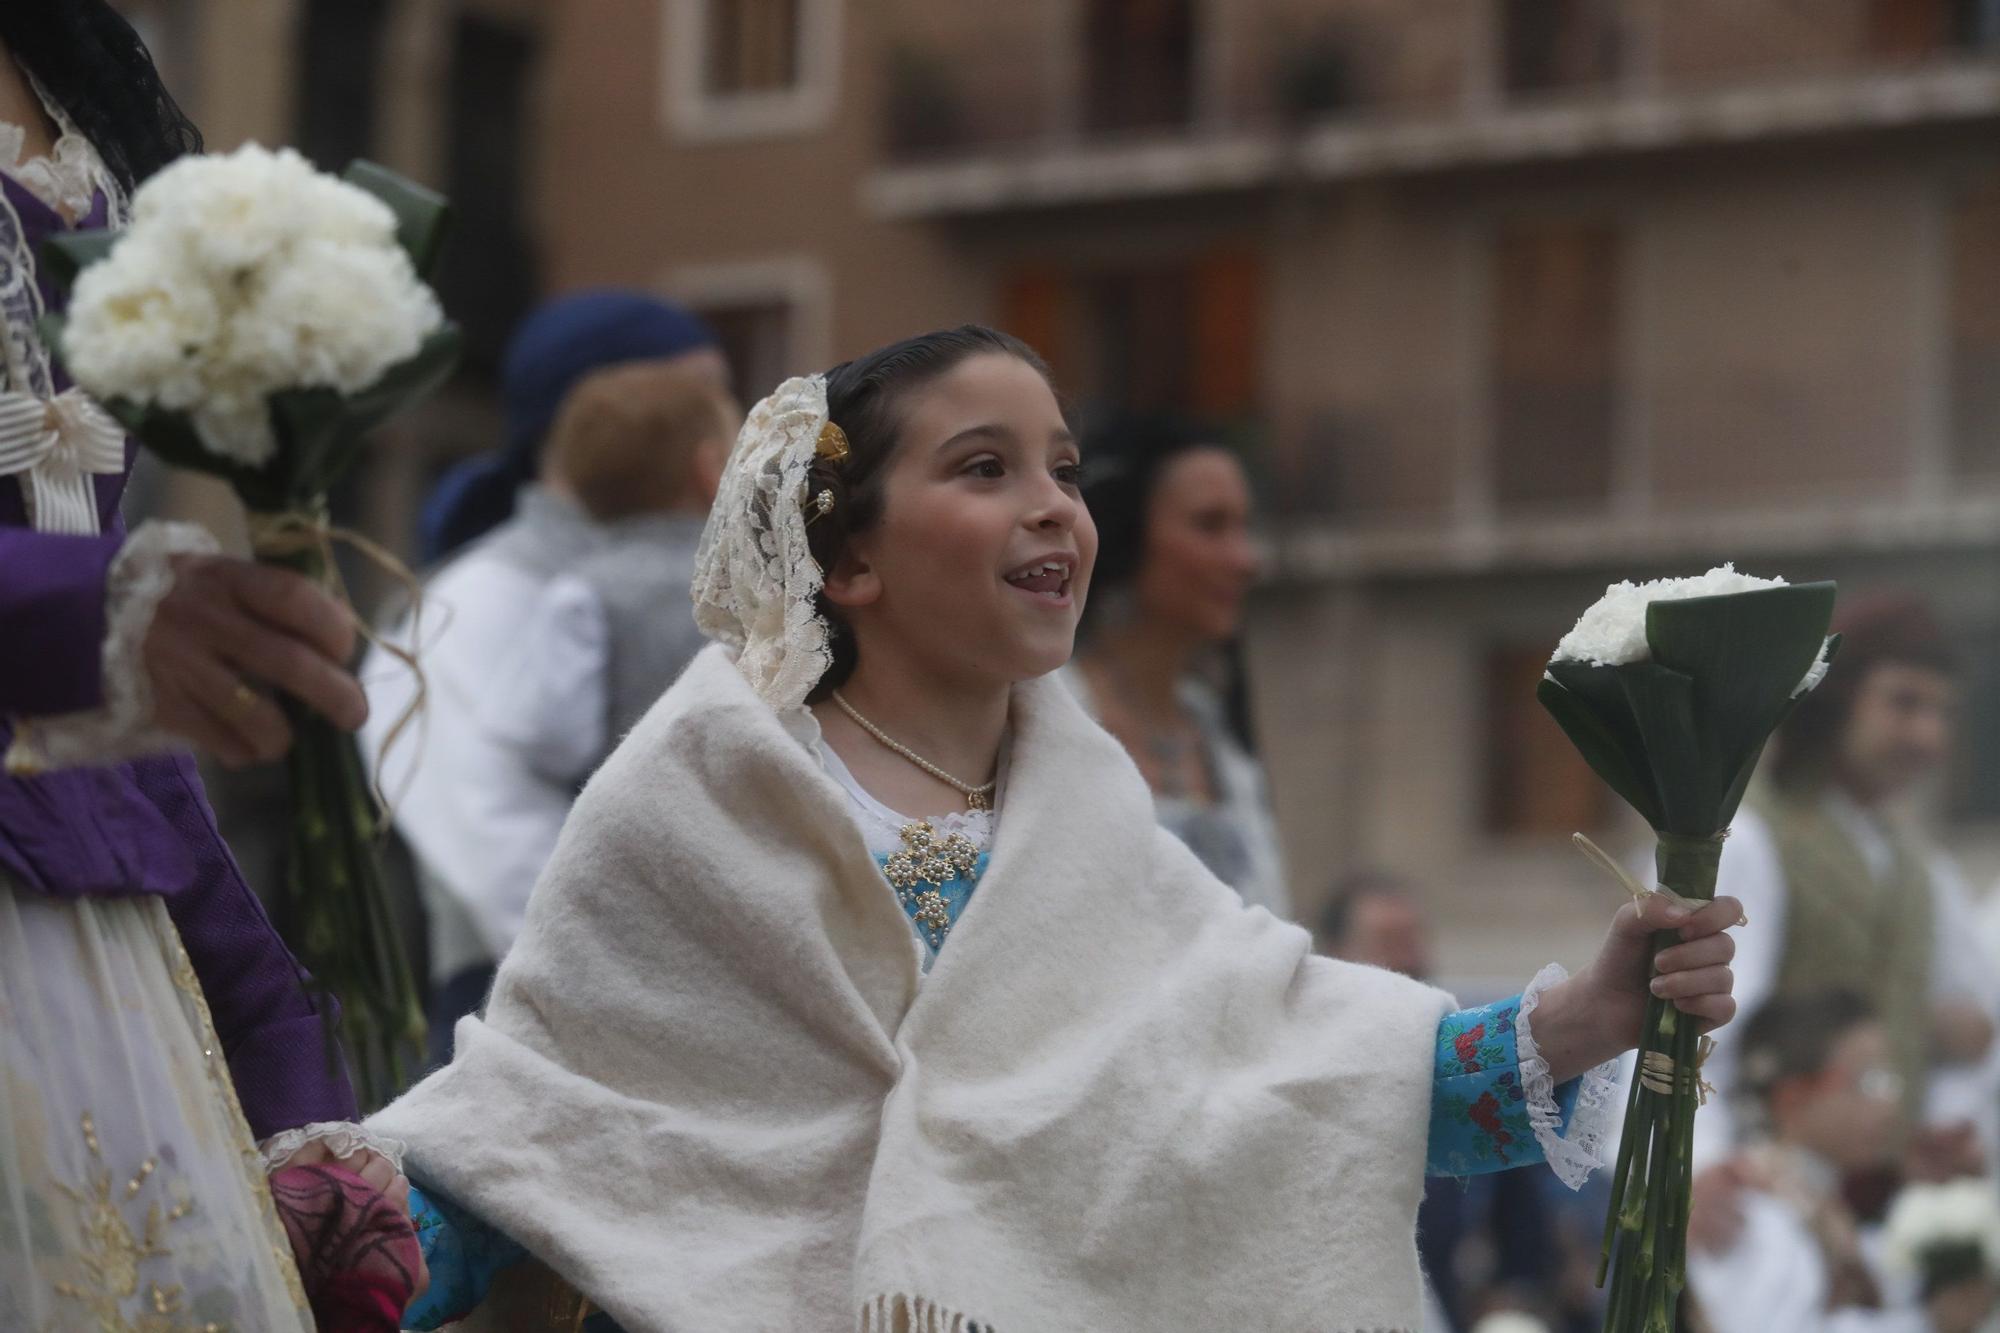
(1177,334)
(750,68)
(1549,46)
(1974,287)
(1536,785)
(1554,362)
(1139,64)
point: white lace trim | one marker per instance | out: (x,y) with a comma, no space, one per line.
(140,575)
(1591,1124)
(755,581)
(343,1138)
(70,174)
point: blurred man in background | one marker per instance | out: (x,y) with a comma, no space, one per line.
(479,819)
(1829,827)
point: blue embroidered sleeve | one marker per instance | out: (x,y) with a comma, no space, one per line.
(1479,1110)
(464,1256)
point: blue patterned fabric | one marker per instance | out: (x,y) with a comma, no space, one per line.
(1479,1110)
(1479,1124)
(464,1256)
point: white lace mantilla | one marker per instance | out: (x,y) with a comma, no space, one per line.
(1575,1156)
(755,578)
(343,1138)
(140,576)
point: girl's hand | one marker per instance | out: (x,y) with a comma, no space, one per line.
(379,1174)
(1597,1015)
(228,625)
(348,1220)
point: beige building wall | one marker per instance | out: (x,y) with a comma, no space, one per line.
(629,197)
(1781,338)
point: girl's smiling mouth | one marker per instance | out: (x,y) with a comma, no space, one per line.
(1046,579)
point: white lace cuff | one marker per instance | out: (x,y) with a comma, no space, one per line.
(1575,1155)
(140,575)
(342,1138)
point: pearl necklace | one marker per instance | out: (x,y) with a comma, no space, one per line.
(976,798)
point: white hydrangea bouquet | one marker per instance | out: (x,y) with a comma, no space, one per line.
(1670,690)
(255,321)
(1944,1235)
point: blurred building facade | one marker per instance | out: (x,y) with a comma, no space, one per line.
(1505,299)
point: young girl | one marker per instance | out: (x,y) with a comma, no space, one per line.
(863,991)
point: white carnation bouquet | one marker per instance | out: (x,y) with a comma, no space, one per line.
(1670,691)
(255,321)
(1945,1234)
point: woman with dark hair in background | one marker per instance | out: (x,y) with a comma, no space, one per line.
(1173,508)
(151,1023)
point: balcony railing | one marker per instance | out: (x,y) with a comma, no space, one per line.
(976,120)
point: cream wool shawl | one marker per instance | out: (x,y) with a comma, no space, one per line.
(710,1092)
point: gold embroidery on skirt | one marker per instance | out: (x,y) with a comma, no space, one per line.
(112,1251)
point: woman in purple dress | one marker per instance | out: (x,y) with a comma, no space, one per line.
(158,1046)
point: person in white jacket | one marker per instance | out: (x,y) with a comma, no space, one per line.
(479,817)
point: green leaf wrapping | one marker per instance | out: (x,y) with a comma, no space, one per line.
(422,215)
(69,253)
(1678,736)
(1612,749)
(1747,653)
(1662,702)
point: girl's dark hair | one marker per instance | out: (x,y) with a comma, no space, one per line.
(1886,629)
(97,70)
(1129,452)
(865,397)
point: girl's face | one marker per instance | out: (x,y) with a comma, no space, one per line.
(978,568)
(1199,562)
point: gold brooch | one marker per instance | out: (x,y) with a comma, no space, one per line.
(929,859)
(832,444)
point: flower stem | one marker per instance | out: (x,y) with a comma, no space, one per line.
(1645,1231)
(343,926)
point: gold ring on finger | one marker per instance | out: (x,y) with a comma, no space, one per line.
(242,699)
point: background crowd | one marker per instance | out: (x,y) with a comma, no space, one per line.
(1393,332)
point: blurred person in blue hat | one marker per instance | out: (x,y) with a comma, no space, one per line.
(565,341)
(479,817)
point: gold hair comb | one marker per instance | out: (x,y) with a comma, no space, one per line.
(832,446)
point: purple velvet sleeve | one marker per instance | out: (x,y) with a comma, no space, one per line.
(52,620)
(271,1029)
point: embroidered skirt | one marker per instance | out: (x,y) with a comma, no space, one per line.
(131,1194)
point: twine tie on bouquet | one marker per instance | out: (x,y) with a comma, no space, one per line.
(1604,861)
(1660,1074)
(296,532)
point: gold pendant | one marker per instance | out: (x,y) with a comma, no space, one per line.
(978,800)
